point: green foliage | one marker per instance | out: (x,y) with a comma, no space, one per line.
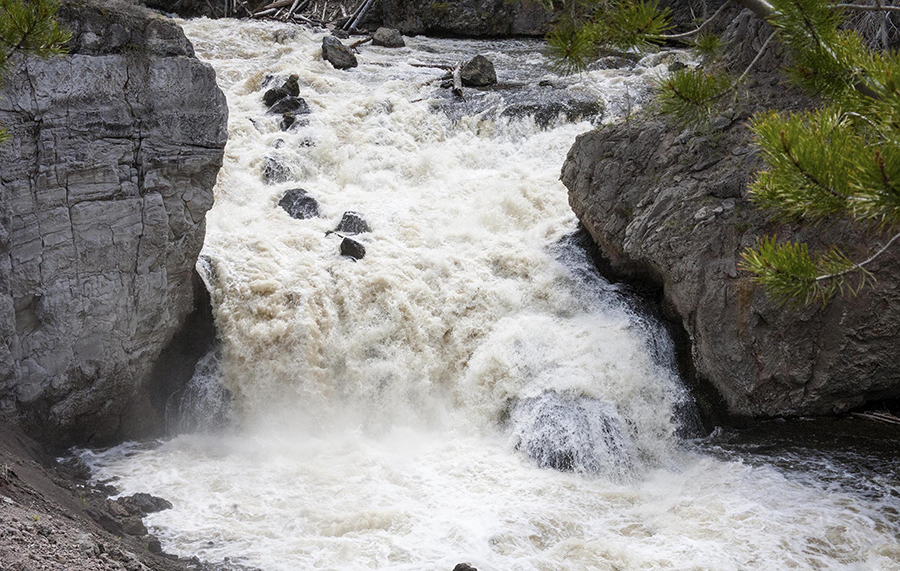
(708,45)
(29,26)
(792,276)
(586,27)
(690,95)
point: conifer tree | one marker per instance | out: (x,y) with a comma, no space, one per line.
(841,160)
(28,26)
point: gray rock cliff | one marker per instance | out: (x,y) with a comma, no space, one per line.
(671,208)
(476,18)
(104,189)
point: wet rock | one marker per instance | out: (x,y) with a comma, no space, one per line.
(572,433)
(478,72)
(298,204)
(352,249)
(352,223)
(388,37)
(339,32)
(547,111)
(142,504)
(274,171)
(290,104)
(464,567)
(154,546)
(273,96)
(133,526)
(290,88)
(337,54)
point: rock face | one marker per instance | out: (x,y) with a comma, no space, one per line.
(671,208)
(104,189)
(475,18)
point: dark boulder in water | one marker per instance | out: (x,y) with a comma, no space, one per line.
(274,171)
(464,567)
(352,249)
(572,433)
(478,72)
(337,54)
(298,204)
(293,105)
(352,223)
(290,88)
(388,37)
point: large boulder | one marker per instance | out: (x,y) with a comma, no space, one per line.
(473,18)
(388,38)
(104,189)
(670,208)
(337,54)
(478,72)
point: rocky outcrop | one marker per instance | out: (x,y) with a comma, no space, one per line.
(104,189)
(671,208)
(474,18)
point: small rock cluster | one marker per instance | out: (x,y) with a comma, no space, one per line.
(286,101)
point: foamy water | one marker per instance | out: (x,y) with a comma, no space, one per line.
(395,412)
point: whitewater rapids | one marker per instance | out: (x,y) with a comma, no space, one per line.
(405,411)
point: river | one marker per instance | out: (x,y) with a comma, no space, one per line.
(471,390)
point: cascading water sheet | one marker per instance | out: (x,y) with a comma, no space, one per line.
(467,391)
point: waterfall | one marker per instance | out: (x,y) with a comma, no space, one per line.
(469,390)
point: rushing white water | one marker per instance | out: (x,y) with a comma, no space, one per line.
(403,411)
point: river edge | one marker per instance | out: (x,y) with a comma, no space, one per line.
(52,516)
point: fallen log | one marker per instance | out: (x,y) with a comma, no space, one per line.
(358,43)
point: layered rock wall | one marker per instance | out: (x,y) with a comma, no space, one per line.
(104,189)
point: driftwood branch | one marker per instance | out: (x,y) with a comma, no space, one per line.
(457,81)
(358,43)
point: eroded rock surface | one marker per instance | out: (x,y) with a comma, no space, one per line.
(671,207)
(104,189)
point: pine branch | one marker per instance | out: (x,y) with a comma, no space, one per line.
(860,265)
(861,8)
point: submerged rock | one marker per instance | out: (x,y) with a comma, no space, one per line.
(293,105)
(572,433)
(274,171)
(388,37)
(547,111)
(298,204)
(337,54)
(352,249)
(352,223)
(478,72)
